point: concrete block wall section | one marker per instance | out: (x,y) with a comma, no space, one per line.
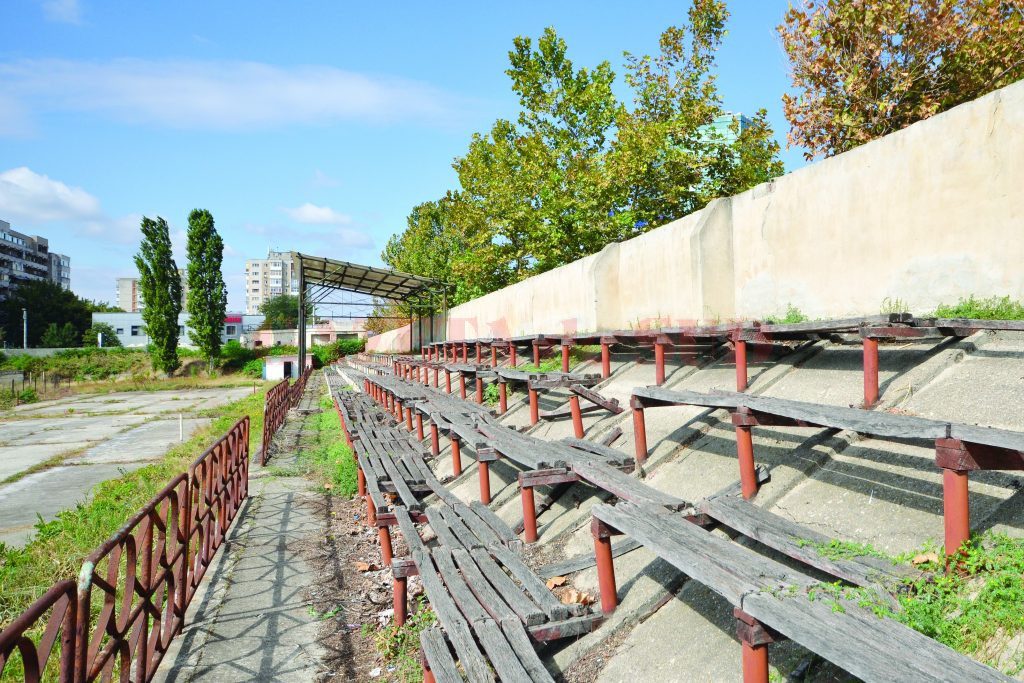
(926,215)
(856,489)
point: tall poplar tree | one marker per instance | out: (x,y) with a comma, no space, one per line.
(207,295)
(161,290)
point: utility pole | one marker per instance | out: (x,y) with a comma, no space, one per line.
(24,328)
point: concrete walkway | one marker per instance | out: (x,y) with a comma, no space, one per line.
(251,620)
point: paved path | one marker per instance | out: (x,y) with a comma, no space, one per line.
(251,620)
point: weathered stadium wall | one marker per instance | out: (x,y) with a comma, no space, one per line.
(929,214)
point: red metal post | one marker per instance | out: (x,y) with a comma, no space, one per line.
(659,363)
(512,355)
(740,351)
(605,566)
(870,372)
(484,473)
(479,357)
(456,456)
(435,445)
(745,453)
(408,419)
(502,398)
(606,360)
(956,509)
(462,385)
(371,512)
(754,638)
(448,380)
(534,406)
(536,352)
(479,389)
(565,358)
(386,550)
(428,675)
(435,377)
(465,353)
(362,482)
(529,514)
(577,415)
(639,435)
(494,356)
(419,426)
(400,586)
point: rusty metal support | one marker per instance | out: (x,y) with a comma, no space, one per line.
(639,434)
(606,360)
(401,584)
(565,358)
(577,416)
(512,355)
(436,371)
(659,363)
(605,565)
(484,472)
(371,512)
(502,398)
(745,453)
(529,514)
(479,390)
(740,351)
(361,482)
(494,356)
(386,549)
(870,372)
(435,445)
(419,426)
(408,418)
(534,406)
(755,639)
(956,509)
(448,380)
(456,456)
(465,352)
(462,385)
(479,357)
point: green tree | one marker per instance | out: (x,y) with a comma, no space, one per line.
(91,336)
(45,303)
(160,285)
(207,295)
(102,307)
(281,312)
(60,336)
(862,69)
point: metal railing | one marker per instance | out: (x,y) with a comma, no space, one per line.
(280,399)
(133,591)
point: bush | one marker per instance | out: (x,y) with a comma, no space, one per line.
(110,339)
(993,308)
(253,368)
(234,356)
(27,395)
(83,364)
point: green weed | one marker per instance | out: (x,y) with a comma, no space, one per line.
(992,308)
(793,315)
(399,646)
(329,460)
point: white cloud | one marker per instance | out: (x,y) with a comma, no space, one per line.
(29,197)
(317,215)
(219,95)
(64,11)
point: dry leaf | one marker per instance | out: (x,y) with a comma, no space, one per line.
(556,581)
(328,486)
(575,597)
(926,557)
(366,567)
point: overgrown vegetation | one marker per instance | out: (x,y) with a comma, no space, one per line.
(792,316)
(992,308)
(60,545)
(328,461)
(399,646)
(975,608)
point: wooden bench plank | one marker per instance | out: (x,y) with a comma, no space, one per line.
(497,525)
(612,455)
(624,486)
(501,655)
(477,526)
(520,642)
(467,538)
(438,656)
(485,593)
(526,610)
(444,533)
(530,582)
(457,586)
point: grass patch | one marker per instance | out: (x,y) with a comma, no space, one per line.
(328,461)
(546,365)
(492,394)
(399,646)
(992,308)
(792,316)
(60,545)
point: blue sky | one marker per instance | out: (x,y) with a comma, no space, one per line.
(310,126)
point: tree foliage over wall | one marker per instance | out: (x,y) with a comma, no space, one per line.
(281,312)
(47,304)
(578,169)
(865,68)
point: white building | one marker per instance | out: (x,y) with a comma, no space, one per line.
(129,296)
(24,258)
(269,277)
(131,330)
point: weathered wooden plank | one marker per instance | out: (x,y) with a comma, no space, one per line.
(526,610)
(404,492)
(472,660)
(875,423)
(651,396)
(408,529)
(444,533)
(530,582)
(438,656)
(797,541)
(988,436)
(869,647)
(457,587)
(623,485)
(574,626)
(477,526)
(609,404)
(836,324)
(466,537)
(575,564)
(521,645)
(485,593)
(498,526)
(501,655)
(612,455)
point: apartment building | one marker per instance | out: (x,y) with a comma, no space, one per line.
(24,258)
(130,328)
(269,277)
(129,295)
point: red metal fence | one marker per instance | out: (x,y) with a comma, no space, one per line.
(280,399)
(133,591)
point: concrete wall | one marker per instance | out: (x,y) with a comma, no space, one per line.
(927,215)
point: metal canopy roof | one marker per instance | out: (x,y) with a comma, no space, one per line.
(378,282)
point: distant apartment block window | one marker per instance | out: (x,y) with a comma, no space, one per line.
(181,330)
(120,330)
(229,330)
(135,330)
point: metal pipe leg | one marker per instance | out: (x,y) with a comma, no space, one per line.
(956,509)
(659,364)
(639,435)
(400,589)
(419,426)
(605,566)
(436,371)
(478,356)
(479,390)
(740,352)
(534,407)
(456,457)
(435,445)
(512,355)
(408,419)
(502,398)
(448,381)
(484,473)
(362,482)
(745,453)
(536,354)
(870,372)
(606,361)
(754,638)
(529,514)
(371,512)
(462,386)
(386,549)
(494,356)
(565,358)
(577,416)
